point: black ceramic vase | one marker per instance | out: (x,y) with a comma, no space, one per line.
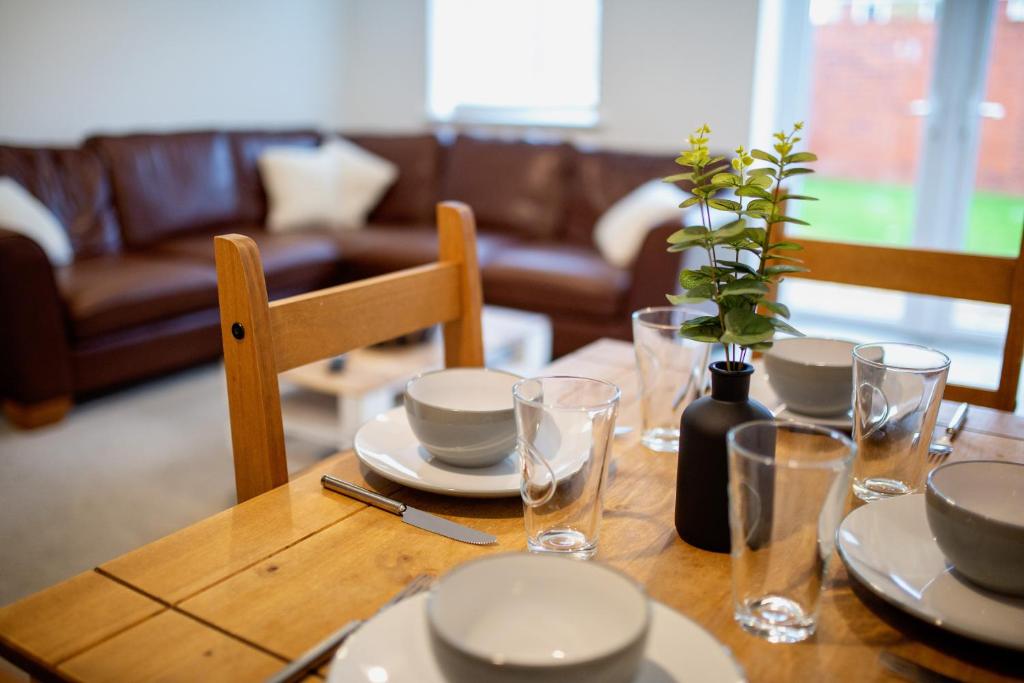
(702,500)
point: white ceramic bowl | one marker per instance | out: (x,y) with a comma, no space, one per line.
(463,416)
(520,618)
(976,511)
(812,376)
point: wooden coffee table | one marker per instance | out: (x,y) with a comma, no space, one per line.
(328,407)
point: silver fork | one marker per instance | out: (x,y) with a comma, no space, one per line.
(940,449)
(322,651)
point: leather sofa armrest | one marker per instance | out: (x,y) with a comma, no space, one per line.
(655,272)
(35,356)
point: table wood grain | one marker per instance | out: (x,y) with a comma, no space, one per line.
(238,594)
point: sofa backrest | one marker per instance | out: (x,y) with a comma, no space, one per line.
(73,185)
(600,178)
(169,184)
(415,193)
(514,187)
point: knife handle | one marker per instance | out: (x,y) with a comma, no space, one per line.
(362,495)
(959,418)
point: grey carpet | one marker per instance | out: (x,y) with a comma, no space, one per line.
(118,472)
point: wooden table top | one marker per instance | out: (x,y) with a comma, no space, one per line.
(239,594)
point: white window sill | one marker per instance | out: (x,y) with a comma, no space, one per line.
(521,117)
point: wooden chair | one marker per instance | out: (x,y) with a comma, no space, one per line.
(262,339)
(992,279)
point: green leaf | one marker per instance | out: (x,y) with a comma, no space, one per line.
(744,327)
(760,346)
(799,157)
(692,233)
(677,177)
(764,156)
(730,230)
(753,191)
(725,179)
(788,219)
(700,321)
(761,181)
(776,308)
(690,201)
(737,265)
(785,246)
(777,257)
(694,295)
(688,279)
(767,170)
(782,269)
(747,285)
(783,326)
(708,333)
(755,235)
(724,204)
(795,171)
(797,196)
(760,205)
(675,248)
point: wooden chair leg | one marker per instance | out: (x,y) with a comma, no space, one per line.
(34,415)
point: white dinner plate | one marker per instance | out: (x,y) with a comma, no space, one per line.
(387,446)
(395,647)
(888,546)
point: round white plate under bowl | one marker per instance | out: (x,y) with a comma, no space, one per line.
(888,546)
(395,647)
(387,446)
(844,421)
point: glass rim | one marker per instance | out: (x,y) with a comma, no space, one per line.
(805,427)
(886,366)
(519,398)
(635,316)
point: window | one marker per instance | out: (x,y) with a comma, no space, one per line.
(914,108)
(523,62)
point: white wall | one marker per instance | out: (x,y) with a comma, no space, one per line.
(70,67)
(668,66)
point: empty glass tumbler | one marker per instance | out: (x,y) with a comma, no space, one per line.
(672,371)
(565,427)
(788,484)
(897,393)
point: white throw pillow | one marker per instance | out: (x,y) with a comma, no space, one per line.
(620,231)
(21,212)
(336,184)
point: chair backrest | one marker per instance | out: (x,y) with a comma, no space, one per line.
(262,339)
(992,279)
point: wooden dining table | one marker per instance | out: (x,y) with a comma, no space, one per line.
(240,594)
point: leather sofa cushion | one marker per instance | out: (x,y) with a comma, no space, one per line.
(513,187)
(112,292)
(73,184)
(170,184)
(555,278)
(413,196)
(292,262)
(247,146)
(601,178)
(381,249)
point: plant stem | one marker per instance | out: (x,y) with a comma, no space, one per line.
(710,247)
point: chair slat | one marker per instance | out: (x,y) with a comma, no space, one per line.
(964,276)
(332,321)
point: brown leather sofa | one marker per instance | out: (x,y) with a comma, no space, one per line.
(140,298)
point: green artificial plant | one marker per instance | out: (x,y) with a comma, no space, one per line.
(737,283)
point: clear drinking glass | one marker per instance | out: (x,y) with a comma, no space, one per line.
(565,427)
(897,389)
(788,484)
(672,372)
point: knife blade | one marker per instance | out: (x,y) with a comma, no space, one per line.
(410,515)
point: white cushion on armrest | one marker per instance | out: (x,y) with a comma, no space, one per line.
(21,212)
(620,231)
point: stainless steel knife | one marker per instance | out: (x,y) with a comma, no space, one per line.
(417,518)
